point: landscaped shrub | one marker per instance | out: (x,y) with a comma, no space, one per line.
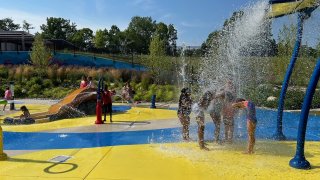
(57,93)
(35,91)
(294,99)
(18,73)
(19,92)
(4,72)
(61,73)
(116,74)
(47,83)
(28,71)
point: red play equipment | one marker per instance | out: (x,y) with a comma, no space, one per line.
(99,102)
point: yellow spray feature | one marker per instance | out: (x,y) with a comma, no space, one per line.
(284,7)
(3,156)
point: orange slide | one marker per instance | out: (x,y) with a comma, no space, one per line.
(69,106)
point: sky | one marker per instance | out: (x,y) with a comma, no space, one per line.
(194,20)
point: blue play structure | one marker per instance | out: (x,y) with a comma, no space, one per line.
(67,59)
(305,8)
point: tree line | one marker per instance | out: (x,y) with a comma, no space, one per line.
(135,38)
(282,47)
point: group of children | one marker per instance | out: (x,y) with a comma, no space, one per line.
(218,104)
(87,82)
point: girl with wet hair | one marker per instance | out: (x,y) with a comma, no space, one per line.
(199,109)
(184,110)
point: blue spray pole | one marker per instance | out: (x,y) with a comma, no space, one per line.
(299,161)
(279,133)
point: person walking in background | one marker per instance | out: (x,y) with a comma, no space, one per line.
(184,110)
(127,92)
(7,96)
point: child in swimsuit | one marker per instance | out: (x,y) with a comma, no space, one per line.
(251,121)
(199,109)
(184,110)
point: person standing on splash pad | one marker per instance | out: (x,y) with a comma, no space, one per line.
(228,111)
(199,109)
(251,121)
(184,111)
(107,102)
(215,111)
(7,97)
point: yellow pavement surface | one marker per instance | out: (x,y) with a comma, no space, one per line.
(134,114)
(165,161)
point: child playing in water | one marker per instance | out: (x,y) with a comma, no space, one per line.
(251,121)
(184,110)
(199,109)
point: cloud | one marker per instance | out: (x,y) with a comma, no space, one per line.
(18,16)
(38,19)
(192,25)
(144,4)
(100,6)
(165,17)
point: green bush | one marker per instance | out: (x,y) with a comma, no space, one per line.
(47,83)
(4,73)
(35,91)
(19,92)
(294,99)
(34,80)
(57,92)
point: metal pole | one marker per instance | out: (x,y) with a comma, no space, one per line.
(299,161)
(12,91)
(279,133)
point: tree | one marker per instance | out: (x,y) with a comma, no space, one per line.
(83,38)
(157,62)
(162,32)
(114,39)
(7,24)
(100,39)
(172,40)
(318,48)
(26,26)
(40,55)
(286,40)
(139,33)
(58,28)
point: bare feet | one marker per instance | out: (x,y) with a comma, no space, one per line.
(187,139)
(247,152)
(204,148)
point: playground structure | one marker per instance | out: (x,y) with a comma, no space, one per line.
(78,103)
(304,9)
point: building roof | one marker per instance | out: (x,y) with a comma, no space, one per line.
(15,36)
